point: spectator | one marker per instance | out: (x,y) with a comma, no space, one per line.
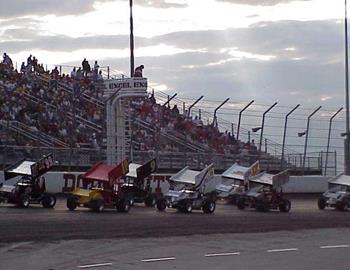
(7,60)
(73,74)
(99,76)
(96,67)
(138,71)
(53,78)
(86,67)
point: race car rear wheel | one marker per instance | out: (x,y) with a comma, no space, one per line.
(150,201)
(49,201)
(240,203)
(24,201)
(99,206)
(285,206)
(209,207)
(161,205)
(72,203)
(321,203)
(123,206)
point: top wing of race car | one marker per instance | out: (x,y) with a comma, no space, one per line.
(34,169)
(275,180)
(140,172)
(191,177)
(238,172)
(340,179)
(106,173)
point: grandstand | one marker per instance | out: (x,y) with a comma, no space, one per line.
(65,114)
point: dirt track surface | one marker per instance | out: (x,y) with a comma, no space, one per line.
(38,224)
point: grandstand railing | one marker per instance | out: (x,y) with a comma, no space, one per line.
(35,135)
(72,116)
(172,136)
(82,158)
(69,89)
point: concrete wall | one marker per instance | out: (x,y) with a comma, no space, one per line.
(297,184)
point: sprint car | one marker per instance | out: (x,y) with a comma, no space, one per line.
(99,189)
(235,181)
(31,187)
(338,194)
(135,186)
(187,191)
(266,193)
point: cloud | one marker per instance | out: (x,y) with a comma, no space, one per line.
(312,39)
(259,2)
(161,3)
(303,61)
(15,8)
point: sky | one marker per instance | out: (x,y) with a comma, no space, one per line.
(287,51)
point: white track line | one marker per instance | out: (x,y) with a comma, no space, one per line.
(221,254)
(94,265)
(159,259)
(337,246)
(282,250)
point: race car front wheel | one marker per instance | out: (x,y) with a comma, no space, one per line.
(99,206)
(49,201)
(285,206)
(150,201)
(72,203)
(188,207)
(161,205)
(321,203)
(209,207)
(240,203)
(123,206)
(24,201)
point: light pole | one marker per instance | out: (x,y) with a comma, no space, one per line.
(215,120)
(131,41)
(240,116)
(347,145)
(329,137)
(285,131)
(262,126)
(169,99)
(192,105)
(307,134)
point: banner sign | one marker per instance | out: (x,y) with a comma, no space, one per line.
(126,84)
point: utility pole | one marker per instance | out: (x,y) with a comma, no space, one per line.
(131,41)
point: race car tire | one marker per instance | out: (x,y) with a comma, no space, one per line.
(98,206)
(209,207)
(285,206)
(150,201)
(233,200)
(123,206)
(161,205)
(131,200)
(261,207)
(24,201)
(188,207)
(340,206)
(72,203)
(241,203)
(321,203)
(49,201)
